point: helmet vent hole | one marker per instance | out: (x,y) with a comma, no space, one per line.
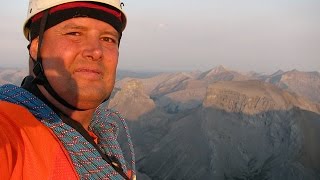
(30,10)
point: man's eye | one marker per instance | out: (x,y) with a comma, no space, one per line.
(73,33)
(109,39)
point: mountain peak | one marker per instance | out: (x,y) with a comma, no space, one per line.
(294,71)
(220,73)
(279,72)
(217,70)
(213,72)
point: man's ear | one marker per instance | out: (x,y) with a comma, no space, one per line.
(34,48)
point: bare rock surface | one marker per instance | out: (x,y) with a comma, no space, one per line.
(132,95)
(306,84)
(253,97)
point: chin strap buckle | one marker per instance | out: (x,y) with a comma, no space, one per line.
(39,73)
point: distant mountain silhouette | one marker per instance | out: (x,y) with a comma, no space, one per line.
(220,73)
(14,76)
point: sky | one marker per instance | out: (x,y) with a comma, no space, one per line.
(184,35)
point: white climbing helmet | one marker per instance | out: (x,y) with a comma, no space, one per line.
(36,6)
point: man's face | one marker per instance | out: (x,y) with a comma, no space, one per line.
(80,57)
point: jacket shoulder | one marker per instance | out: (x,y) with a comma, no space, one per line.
(25,143)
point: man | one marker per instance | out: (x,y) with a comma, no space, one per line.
(51,127)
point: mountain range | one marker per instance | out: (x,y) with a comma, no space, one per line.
(220,124)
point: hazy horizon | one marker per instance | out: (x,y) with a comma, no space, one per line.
(189,35)
(177,71)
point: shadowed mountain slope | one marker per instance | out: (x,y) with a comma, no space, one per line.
(306,84)
(241,130)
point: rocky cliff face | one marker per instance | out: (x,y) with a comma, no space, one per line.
(131,100)
(253,97)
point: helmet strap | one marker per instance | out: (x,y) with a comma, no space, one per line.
(38,70)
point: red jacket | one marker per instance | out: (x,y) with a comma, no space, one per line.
(30,150)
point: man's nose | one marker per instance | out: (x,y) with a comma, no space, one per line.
(93,50)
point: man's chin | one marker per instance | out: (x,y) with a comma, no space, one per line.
(90,102)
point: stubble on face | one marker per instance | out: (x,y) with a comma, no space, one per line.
(80,60)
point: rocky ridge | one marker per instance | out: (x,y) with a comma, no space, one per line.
(306,84)
(252,97)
